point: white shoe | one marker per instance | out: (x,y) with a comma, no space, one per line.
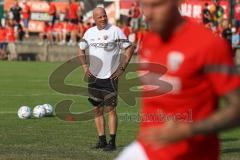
(69,43)
(40,43)
(62,43)
(74,43)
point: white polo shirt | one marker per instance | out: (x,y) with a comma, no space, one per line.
(104,49)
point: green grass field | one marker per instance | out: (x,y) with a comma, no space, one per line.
(26,83)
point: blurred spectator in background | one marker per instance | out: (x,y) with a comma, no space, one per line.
(19,31)
(209,25)
(65,32)
(217,12)
(57,32)
(14,20)
(140,35)
(66,17)
(135,15)
(3,43)
(10,37)
(26,12)
(206,14)
(216,29)
(72,29)
(52,12)
(80,30)
(227,31)
(16,13)
(46,34)
(73,13)
(136,37)
(132,37)
(235,36)
(237,14)
(81,9)
(126,29)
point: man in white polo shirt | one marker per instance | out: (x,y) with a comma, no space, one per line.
(105,43)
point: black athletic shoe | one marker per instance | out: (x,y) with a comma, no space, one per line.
(110,147)
(100,145)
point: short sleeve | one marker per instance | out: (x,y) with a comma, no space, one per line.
(220,68)
(83,44)
(123,39)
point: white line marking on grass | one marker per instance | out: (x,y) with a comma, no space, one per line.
(13,80)
(23,95)
(10,112)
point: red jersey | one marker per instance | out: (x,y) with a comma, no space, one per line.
(47,28)
(52,9)
(10,34)
(136,13)
(26,11)
(199,69)
(73,10)
(58,27)
(237,12)
(2,35)
(71,27)
(126,30)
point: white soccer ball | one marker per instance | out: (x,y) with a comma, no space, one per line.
(48,109)
(24,112)
(39,111)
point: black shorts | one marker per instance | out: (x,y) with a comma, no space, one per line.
(74,21)
(102,92)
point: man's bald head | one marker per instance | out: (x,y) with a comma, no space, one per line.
(98,10)
(100,17)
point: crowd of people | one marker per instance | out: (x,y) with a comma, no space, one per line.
(12,30)
(65,30)
(62,33)
(16,25)
(71,29)
(213,18)
(7,40)
(68,30)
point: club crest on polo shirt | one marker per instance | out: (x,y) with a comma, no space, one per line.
(105,37)
(174,60)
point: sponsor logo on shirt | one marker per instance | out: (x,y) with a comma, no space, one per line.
(174,60)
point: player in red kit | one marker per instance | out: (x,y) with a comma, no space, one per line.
(200,70)
(73,12)
(26,12)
